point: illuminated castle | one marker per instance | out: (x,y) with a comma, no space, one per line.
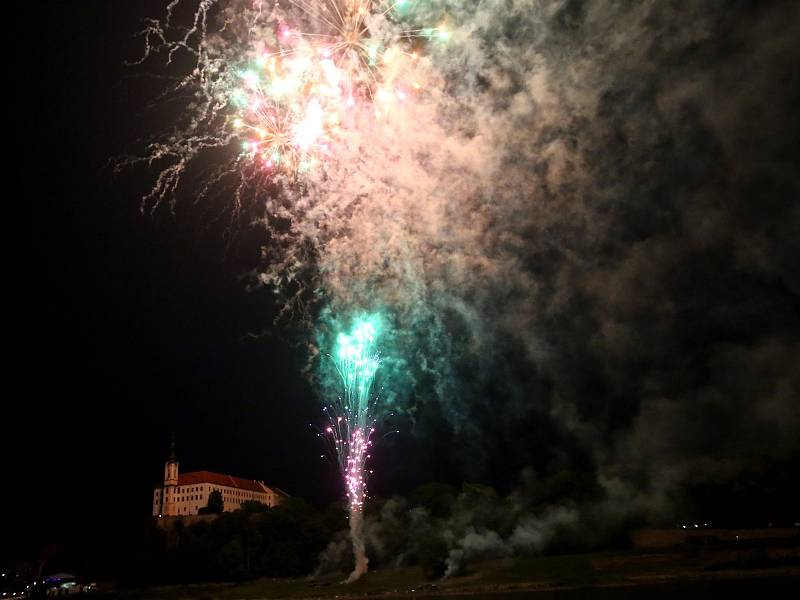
(187,493)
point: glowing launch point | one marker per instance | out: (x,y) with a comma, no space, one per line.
(352,421)
(276,93)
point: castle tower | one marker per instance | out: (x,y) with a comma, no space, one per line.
(168,497)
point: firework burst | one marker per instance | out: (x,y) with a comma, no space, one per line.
(271,93)
(351,417)
(352,421)
(274,85)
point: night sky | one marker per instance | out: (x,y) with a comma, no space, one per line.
(660,346)
(130,327)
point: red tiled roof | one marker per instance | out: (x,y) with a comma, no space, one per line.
(196,477)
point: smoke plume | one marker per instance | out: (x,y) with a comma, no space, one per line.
(583,235)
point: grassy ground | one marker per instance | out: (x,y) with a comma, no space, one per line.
(521,573)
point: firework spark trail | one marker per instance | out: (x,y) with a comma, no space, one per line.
(272,87)
(282,92)
(356,132)
(280,99)
(352,419)
(490,213)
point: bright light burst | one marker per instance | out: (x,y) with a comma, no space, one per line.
(351,416)
(271,92)
(352,422)
(294,96)
(277,82)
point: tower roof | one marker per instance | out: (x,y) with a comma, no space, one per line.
(172,456)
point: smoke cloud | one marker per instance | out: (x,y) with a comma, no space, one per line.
(446,531)
(583,235)
(586,236)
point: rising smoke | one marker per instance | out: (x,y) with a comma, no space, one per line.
(585,236)
(593,224)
